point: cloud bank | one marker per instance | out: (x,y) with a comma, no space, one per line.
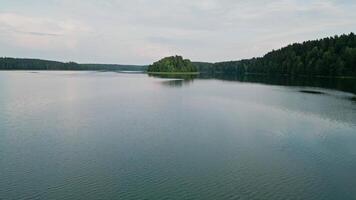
(141,31)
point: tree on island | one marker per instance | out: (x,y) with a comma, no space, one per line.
(173,64)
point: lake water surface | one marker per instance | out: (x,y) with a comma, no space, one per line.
(106,135)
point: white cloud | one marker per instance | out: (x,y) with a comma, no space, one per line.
(40,33)
(140,31)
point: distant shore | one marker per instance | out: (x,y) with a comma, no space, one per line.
(175,73)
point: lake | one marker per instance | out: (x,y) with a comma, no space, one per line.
(107,135)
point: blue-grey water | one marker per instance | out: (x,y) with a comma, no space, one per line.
(106,135)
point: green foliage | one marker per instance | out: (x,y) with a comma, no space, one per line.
(333,56)
(172,64)
(36,64)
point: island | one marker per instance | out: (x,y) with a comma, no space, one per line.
(173,65)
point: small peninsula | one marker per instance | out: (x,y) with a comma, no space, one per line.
(173,65)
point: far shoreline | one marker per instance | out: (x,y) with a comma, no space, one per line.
(175,73)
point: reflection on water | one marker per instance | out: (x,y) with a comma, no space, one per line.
(177,83)
(318,97)
(175,76)
(175,80)
(311,92)
(347,85)
(353,98)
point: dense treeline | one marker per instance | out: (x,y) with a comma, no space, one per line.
(37,64)
(172,64)
(34,64)
(110,67)
(204,67)
(333,56)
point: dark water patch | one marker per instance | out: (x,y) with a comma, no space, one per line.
(345,85)
(179,80)
(311,92)
(177,83)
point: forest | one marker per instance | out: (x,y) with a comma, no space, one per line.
(173,64)
(37,64)
(332,56)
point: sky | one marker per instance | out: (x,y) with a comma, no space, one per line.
(143,31)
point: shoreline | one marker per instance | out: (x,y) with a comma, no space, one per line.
(285,75)
(301,76)
(175,73)
(191,73)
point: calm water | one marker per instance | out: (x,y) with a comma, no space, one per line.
(91,135)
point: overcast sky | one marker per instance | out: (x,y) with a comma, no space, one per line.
(142,31)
